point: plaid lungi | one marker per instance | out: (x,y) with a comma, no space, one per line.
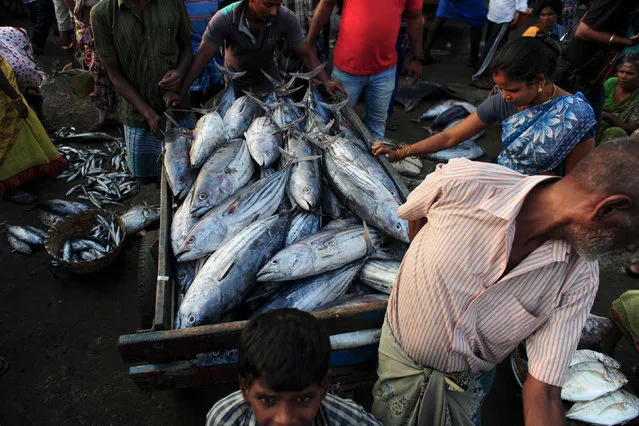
(143,149)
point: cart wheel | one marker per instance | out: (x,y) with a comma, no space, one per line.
(147,279)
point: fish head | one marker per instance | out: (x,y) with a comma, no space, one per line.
(200,306)
(392,223)
(306,195)
(210,192)
(204,238)
(283,264)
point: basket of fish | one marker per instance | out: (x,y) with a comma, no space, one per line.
(86,242)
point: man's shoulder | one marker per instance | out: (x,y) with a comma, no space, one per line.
(340,411)
(229,410)
(228,10)
(463,169)
(104,7)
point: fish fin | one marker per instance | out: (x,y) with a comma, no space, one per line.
(370,247)
(335,107)
(230,74)
(291,124)
(222,273)
(309,75)
(263,105)
(322,144)
(293,159)
(429,130)
(273,80)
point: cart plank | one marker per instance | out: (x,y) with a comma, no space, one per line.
(164,296)
(165,346)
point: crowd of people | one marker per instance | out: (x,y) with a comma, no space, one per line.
(563,191)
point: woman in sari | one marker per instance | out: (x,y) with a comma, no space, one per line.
(621,106)
(545,130)
(26,152)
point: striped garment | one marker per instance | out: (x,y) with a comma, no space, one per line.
(452,307)
(233,410)
(201,12)
(143,149)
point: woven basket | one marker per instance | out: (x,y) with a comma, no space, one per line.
(79,225)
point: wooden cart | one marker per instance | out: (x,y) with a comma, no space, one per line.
(162,357)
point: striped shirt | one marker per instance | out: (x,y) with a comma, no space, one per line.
(453,307)
(233,410)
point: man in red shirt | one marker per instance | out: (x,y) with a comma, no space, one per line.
(365,57)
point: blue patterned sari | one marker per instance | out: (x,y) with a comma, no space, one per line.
(539,139)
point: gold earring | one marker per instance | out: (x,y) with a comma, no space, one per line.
(539,89)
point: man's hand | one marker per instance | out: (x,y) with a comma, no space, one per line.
(171,81)
(21,108)
(153,120)
(171,99)
(517,20)
(607,116)
(380,148)
(332,86)
(415,71)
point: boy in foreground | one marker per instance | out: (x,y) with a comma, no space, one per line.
(284,377)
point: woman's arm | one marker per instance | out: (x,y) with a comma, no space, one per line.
(443,140)
(627,126)
(578,153)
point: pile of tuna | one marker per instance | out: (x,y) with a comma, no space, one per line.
(279,204)
(595,383)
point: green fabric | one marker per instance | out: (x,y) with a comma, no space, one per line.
(627,110)
(612,133)
(627,309)
(146,47)
(400,400)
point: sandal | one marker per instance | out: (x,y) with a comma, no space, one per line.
(4,366)
(23,198)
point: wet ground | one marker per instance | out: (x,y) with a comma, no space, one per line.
(59,331)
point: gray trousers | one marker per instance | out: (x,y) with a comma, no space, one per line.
(63,16)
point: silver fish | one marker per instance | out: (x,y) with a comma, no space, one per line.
(379,274)
(19,245)
(256,201)
(229,273)
(47,218)
(208,136)
(348,300)
(227,97)
(432,112)
(321,252)
(615,408)
(586,355)
(342,223)
(84,244)
(63,207)
(67,251)
(467,149)
(302,225)
(331,205)
(589,380)
(185,274)
(227,170)
(182,223)
(178,169)
(366,196)
(140,217)
(239,117)
(409,166)
(263,140)
(311,294)
(355,339)
(28,234)
(304,186)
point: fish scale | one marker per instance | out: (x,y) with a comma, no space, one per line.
(304,185)
(180,175)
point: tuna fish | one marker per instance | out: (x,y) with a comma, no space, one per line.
(355,339)
(229,274)
(263,140)
(331,205)
(226,171)
(319,253)
(209,134)
(28,234)
(182,223)
(380,274)
(239,117)
(304,186)
(227,98)
(63,207)
(302,225)
(140,217)
(467,149)
(178,169)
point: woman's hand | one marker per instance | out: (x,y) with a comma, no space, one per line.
(388,152)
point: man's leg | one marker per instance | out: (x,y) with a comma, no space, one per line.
(433,30)
(143,150)
(475,40)
(400,48)
(378,94)
(353,84)
(65,22)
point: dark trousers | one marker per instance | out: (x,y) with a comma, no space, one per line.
(596,95)
(45,18)
(400,48)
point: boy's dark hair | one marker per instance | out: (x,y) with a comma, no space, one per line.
(524,58)
(556,5)
(288,348)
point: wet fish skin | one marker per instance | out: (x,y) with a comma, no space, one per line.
(587,355)
(140,217)
(179,173)
(227,170)
(409,166)
(311,294)
(185,274)
(239,117)
(226,99)
(589,380)
(453,113)
(229,274)
(19,245)
(319,253)
(182,222)
(263,141)
(304,185)
(251,203)
(29,234)
(355,339)
(348,300)
(432,112)
(302,225)
(209,134)
(331,205)
(67,251)
(615,408)
(379,274)
(467,149)
(63,207)
(342,223)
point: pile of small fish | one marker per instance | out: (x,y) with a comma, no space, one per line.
(594,383)
(254,184)
(108,179)
(446,115)
(103,238)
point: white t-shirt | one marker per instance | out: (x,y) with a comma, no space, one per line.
(502,11)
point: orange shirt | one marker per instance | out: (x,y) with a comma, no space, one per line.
(367,34)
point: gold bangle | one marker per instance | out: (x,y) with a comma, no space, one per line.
(611,37)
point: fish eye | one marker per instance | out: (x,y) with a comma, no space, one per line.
(181,179)
(307,190)
(268,153)
(398,226)
(203,196)
(181,275)
(191,240)
(191,319)
(275,261)
(227,170)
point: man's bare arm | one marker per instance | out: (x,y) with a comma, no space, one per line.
(320,18)
(542,404)
(584,32)
(203,56)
